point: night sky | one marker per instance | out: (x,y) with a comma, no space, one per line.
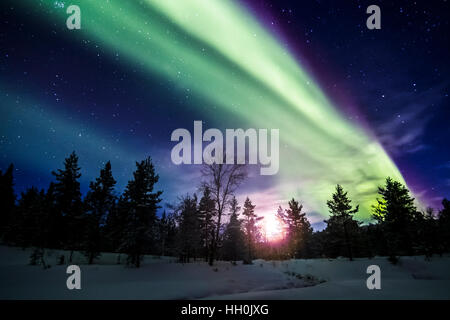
(353,105)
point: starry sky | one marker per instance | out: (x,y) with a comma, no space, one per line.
(353,105)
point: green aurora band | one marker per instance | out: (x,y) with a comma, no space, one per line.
(217,51)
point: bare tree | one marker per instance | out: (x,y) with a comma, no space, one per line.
(222,180)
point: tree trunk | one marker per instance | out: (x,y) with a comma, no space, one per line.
(212,253)
(347,242)
(216,238)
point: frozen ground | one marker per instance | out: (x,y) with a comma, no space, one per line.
(163,278)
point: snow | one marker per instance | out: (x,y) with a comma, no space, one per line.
(164,278)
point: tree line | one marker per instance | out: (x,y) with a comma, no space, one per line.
(211,225)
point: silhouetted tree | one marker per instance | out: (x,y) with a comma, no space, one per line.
(298,229)
(397,215)
(251,229)
(444,226)
(341,225)
(318,244)
(115,225)
(207,212)
(233,236)
(55,219)
(140,201)
(7,199)
(167,234)
(68,202)
(29,212)
(428,233)
(99,202)
(222,180)
(189,228)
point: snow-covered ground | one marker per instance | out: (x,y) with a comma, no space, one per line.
(163,278)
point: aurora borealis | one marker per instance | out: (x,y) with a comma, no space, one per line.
(215,61)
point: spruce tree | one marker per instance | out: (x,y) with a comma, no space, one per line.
(99,202)
(207,213)
(298,229)
(251,229)
(141,204)
(233,235)
(398,217)
(7,199)
(55,219)
(68,202)
(40,215)
(166,234)
(189,235)
(444,226)
(115,226)
(341,225)
(27,216)
(428,233)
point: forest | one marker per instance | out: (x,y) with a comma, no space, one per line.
(208,225)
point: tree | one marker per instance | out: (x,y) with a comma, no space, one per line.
(428,232)
(167,234)
(398,217)
(55,219)
(115,225)
(341,223)
(298,229)
(26,222)
(99,202)
(444,225)
(7,199)
(140,202)
(35,227)
(251,229)
(233,236)
(189,228)
(222,180)
(207,212)
(68,202)
(29,226)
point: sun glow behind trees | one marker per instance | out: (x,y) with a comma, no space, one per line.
(273,228)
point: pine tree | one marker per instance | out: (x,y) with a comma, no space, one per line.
(40,216)
(207,213)
(298,229)
(141,204)
(166,234)
(341,224)
(55,219)
(7,199)
(428,233)
(398,217)
(68,202)
(188,242)
(115,225)
(24,225)
(251,229)
(444,226)
(29,225)
(99,202)
(285,251)
(233,236)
